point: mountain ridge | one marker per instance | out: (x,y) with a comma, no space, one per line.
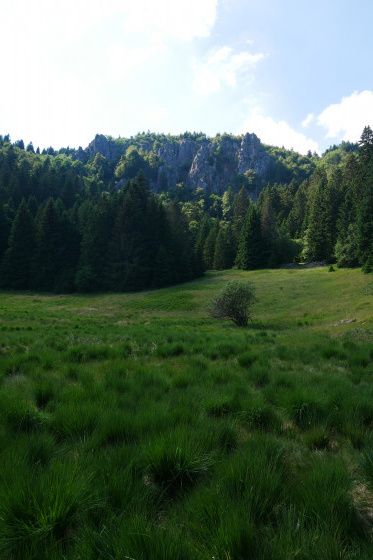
(210,164)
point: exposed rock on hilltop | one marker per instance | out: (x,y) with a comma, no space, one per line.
(210,164)
(103,146)
(215,166)
(99,145)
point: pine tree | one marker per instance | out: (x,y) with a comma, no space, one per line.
(209,246)
(297,214)
(240,208)
(98,224)
(350,196)
(268,219)
(321,233)
(365,219)
(366,146)
(4,233)
(223,253)
(365,207)
(163,268)
(18,259)
(227,204)
(252,249)
(57,249)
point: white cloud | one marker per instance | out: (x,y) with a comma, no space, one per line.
(182,21)
(156,116)
(309,118)
(206,81)
(222,68)
(34,22)
(347,119)
(277,133)
(123,60)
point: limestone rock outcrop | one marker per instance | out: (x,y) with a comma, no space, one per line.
(210,164)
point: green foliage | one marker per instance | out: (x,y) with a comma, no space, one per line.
(234,302)
(368,265)
(252,247)
(18,260)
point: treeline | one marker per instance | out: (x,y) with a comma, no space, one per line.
(66,226)
(126,240)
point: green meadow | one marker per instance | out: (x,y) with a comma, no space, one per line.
(135,426)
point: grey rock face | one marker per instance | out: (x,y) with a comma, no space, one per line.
(103,146)
(208,164)
(80,155)
(252,156)
(177,157)
(216,165)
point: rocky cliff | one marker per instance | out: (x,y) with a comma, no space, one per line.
(210,164)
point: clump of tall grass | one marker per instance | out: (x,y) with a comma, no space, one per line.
(323,491)
(176,461)
(306,408)
(318,438)
(246,359)
(138,539)
(259,376)
(117,427)
(40,510)
(222,405)
(75,420)
(46,390)
(257,476)
(264,417)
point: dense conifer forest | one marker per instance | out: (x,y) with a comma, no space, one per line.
(71,223)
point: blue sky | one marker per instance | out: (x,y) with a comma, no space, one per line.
(296,73)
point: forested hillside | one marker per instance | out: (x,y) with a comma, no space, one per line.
(129,214)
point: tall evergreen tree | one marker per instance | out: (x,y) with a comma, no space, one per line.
(129,264)
(57,249)
(182,252)
(98,225)
(224,247)
(227,204)
(321,233)
(296,219)
(350,196)
(209,246)
(16,270)
(365,208)
(240,207)
(252,249)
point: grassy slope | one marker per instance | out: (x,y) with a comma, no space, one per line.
(135,425)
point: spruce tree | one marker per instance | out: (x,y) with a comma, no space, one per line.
(209,246)
(98,224)
(365,207)
(365,219)
(321,233)
(57,249)
(252,249)
(240,208)
(4,233)
(16,270)
(223,257)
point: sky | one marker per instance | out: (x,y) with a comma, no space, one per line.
(296,73)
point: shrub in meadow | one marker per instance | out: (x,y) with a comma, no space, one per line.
(234,302)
